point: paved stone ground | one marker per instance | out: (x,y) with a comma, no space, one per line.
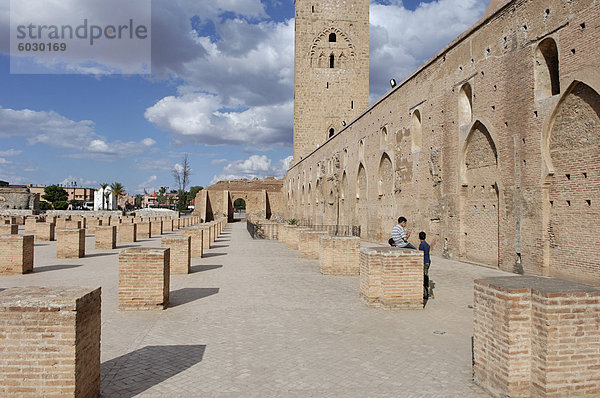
(254,319)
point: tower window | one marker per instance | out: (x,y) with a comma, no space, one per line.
(332,38)
(331,61)
(351,104)
(313,8)
(331,132)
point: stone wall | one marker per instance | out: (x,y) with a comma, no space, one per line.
(491,148)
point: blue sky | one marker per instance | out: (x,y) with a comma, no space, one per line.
(221,91)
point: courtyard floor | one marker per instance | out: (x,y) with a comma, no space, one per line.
(253,319)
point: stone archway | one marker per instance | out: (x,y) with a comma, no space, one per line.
(362,203)
(572,189)
(385,198)
(479,215)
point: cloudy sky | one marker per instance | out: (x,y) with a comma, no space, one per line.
(221,90)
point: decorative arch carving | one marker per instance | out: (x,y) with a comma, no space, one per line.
(342,49)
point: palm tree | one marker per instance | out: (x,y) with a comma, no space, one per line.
(118,190)
(103,186)
(138,200)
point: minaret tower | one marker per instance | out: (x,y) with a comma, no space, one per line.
(331,69)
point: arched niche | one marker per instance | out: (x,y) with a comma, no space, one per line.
(416,130)
(465,105)
(546,69)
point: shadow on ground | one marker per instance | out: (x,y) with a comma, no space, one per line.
(189,294)
(54,267)
(204,267)
(213,254)
(100,254)
(219,246)
(148,367)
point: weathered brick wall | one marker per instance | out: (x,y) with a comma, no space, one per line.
(206,230)
(9,229)
(535,336)
(70,243)
(144,279)
(127,232)
(143,230)
(308,243)
(50,339)
(198,238)
(181,253)
(391,277)
(16,254)
(167,225)
(493,169)
(156,228)
(106,237)
(339,255)
(45,231)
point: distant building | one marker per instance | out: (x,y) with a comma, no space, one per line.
(17,197)
(105,200)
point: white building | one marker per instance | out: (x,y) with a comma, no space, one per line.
(105,200)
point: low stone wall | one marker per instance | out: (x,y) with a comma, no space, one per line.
(198,239)
(308,243)
(391,277)
(50,339)
(339,255)
(536,336)
(84,213)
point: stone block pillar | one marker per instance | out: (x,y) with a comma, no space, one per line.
(168,225)
(50,339)
(339,255)
(156,228)
(144,279)
(30,224)
(198,238)
(143,230)
(536,336)
(93,224)
(16,254)
(205,232)
(391,277)
(106,237)
(127,232)
(291,236)
(282,234)
(45,231)
(308,243)
(73,224)
(70,243)
(9,229)
(181,252)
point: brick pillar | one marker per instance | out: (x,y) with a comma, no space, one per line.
(175,224)
(70,243)
(73,224)
(282,235)
(168,225)
(308,243)
(339,255)
(9,229)
(30,224)
(143,230)
(198,238)
(156,228)
(45,231)
(106,237)
(16,254)
(127,232)
(144,279)
(93,224)
(181,252)
(536,336)
(205,232)
(391,277)
(54,334)
(114,221)
(61,222)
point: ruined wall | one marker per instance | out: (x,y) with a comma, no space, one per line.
(16,198)
(480,143)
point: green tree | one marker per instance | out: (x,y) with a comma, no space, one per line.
(45,206)
(162,199)
(54,193)
(61,205)
(103,186)
(118,190)
(194,191)
(139,198)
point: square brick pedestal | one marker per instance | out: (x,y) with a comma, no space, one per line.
(205,233)
(127,232)
(391,277)
(168,225)
(106,237)
(339,255)
(10,229)
(198,237)
(16,254)
(143,230)
(45,231)
(70,243)
(50,339)
(144,279)
(536,337)
(156,228)
(181,252)
(308,243)
(93,224)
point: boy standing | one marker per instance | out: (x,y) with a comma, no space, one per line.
(424,247)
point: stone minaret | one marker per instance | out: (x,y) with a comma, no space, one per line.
(331,75)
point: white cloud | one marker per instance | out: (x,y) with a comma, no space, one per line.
(146,185)
(259,166)
(4,161)
(402,40)
(78,138)
(203,118)
(11,152)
